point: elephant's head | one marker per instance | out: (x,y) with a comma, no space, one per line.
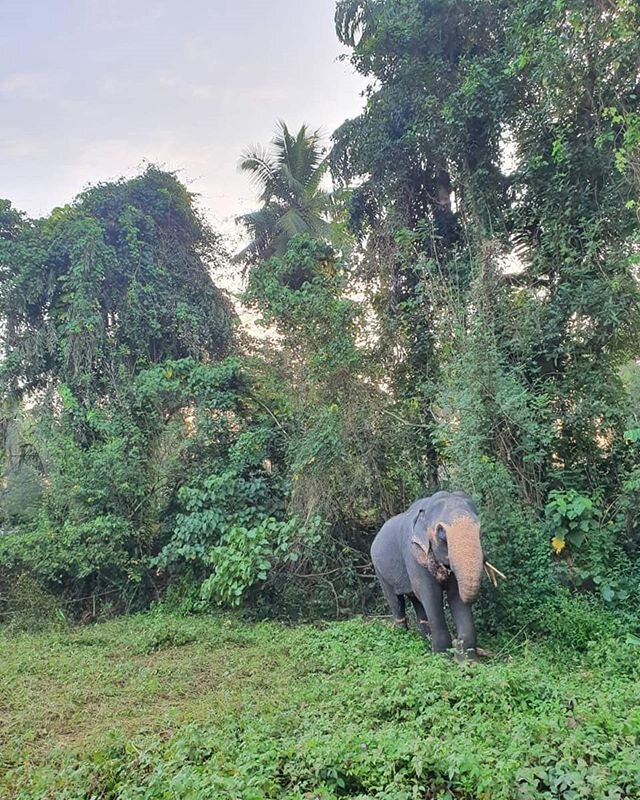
(453,542)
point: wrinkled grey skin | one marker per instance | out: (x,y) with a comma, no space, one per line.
(401,575)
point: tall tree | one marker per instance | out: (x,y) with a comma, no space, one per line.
(289,175)
(515,370)
(423,157)
(574,198)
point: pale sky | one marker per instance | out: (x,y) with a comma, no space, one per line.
(90,89)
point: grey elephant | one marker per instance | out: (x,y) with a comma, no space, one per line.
(433,547)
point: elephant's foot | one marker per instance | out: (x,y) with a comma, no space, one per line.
(464,655)
(400,623)
(440,644)
(425,630)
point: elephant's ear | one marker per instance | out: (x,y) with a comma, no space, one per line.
(419,548)
(420,551)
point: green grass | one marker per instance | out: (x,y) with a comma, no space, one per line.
(158,706)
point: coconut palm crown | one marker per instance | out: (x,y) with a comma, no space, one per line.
(289,173)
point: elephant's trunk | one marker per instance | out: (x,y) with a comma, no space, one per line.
(465,556)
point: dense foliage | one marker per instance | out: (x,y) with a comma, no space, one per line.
(497,220)
(116,392)
(461,311)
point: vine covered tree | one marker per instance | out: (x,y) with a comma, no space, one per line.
(112,336)
(114,282)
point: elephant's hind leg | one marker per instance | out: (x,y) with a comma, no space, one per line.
(421,618)
(396,603)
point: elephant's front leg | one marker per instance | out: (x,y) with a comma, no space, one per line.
(463,618)
(421,617)
(429,593)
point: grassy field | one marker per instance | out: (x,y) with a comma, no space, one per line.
(159,706)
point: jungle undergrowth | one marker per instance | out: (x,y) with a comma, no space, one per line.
(162,706)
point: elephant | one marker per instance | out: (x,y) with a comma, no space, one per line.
(432,547)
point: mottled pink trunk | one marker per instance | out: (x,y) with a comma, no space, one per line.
(465,556)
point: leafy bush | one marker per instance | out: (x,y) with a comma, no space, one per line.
(571,517)
(245,557)
(26,606)
(575,623)
(230,532)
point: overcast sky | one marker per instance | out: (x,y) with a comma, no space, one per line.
(90,89)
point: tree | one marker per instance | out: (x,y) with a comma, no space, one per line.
(108,285)
(423,157)
(113,385)
(516,371)
(289,175)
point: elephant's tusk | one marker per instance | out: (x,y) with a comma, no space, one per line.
(490,576)
(496,570)
(492,572)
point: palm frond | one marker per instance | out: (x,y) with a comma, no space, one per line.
(269,178)
(292,223)
(301,153)
(260,225)
(313,184)
(254,251)
(296,187)
(259,163)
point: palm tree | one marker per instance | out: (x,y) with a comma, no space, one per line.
(289,174)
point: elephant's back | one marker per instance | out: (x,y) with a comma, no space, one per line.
(387,553)
(388,535)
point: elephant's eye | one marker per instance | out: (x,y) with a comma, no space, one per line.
(441,534)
